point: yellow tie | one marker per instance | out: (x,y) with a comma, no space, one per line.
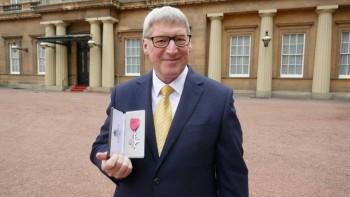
(163,117)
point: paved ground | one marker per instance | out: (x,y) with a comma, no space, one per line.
(292,147)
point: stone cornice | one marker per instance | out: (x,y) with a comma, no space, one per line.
(79,5)
(19,16)
(157,3)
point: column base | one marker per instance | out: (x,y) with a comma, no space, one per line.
(23,86)
(291,94)
(263,94)
(243,93)
(321,96)
(342,96)
(55,88)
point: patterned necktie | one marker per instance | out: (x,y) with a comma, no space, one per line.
(163,117)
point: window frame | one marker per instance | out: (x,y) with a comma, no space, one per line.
(38,47)
(294,28)
(245,75)
(342,76)
(240,30)
(15,2)
(126,57)
(11,67)
(282,54)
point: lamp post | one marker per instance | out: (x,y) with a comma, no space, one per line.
(16,47)
(47,45)
(266,39)
(92,43)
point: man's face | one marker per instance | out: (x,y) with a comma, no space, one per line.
(170,61)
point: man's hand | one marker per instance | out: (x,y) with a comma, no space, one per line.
(117,166)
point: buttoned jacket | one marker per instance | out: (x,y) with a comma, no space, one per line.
(202,155)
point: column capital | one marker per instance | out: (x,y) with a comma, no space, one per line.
(61,23)
(267,13)
(108,19)
(215,16)
(48,25)
(57,22)
(326,8)
(93,20)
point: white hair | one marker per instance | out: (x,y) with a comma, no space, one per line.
(164,14)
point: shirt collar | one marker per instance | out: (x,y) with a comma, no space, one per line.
(177,84)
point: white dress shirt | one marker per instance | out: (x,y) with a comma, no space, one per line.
(174,97)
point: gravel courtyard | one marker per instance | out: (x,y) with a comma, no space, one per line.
(292,147)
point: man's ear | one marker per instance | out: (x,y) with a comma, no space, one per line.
(145,46)
(190,47)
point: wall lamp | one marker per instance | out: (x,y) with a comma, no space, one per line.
(46,45)
(266,39)
(16,47)
(92,43)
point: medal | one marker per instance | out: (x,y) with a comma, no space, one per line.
(134,125)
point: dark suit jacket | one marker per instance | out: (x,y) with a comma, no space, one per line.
(203,154)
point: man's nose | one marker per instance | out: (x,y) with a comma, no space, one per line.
(171,48)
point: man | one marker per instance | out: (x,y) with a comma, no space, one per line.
(202,155)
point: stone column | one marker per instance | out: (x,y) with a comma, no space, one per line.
(95,53)
(50,68)
(264,75)
(108,52)
(322,63)
(214,67)
(61,57)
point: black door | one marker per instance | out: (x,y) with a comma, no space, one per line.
(83,63)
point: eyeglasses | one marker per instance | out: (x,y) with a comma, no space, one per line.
(163,41)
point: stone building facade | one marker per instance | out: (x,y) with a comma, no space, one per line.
(56,44)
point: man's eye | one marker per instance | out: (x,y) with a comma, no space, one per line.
(180,39)
(160,41)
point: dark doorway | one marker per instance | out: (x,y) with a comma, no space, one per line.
(83,62)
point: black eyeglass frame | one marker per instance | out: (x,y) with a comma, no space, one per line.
(170,38)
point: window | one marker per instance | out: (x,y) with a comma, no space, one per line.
(239,56)
(15,58)
(292,60)
(132,57)
(40,59)
(344,66)
(15,1)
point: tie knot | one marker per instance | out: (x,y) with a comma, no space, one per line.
(166,90)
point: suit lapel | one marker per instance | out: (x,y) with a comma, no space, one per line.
(144,91)
(190,96)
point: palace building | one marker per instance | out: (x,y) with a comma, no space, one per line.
(262,48)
